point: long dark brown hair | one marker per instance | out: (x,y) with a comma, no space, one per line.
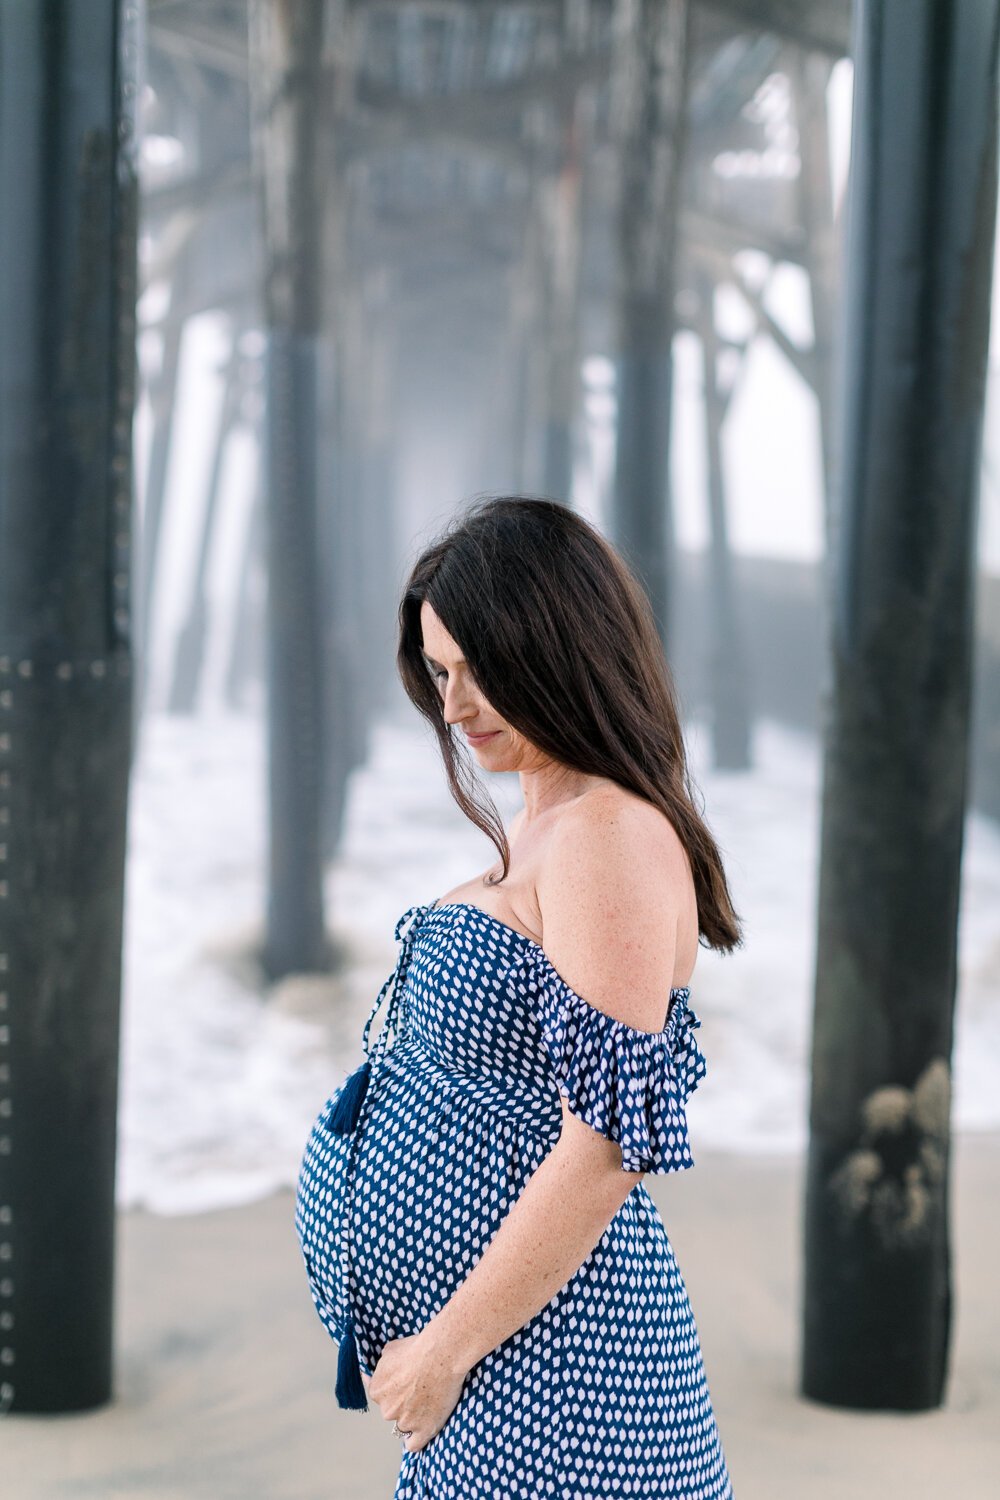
(560,638)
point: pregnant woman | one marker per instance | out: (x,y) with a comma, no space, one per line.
(476,1233)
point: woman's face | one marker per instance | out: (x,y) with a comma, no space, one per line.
(501,748)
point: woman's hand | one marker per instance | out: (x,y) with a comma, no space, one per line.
(415,1385)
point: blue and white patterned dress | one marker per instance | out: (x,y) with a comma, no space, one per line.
(603,1392)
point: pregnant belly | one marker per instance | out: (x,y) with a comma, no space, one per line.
(438,1164)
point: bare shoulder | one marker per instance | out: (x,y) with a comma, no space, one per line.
(616,833)
(613,887)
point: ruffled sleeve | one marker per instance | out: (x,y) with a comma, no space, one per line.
(630,1085)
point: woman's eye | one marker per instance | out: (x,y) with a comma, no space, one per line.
(438,672)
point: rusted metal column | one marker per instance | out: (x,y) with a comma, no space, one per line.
(648,119)
(192,639)
(67,385)
(286,82)
(920,217)
(728,691)
(163,402)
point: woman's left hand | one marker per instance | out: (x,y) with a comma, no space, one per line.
(414,1385)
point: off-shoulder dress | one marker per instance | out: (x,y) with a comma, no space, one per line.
(417,1157)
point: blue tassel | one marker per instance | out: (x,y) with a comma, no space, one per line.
(343,1117)
(349,1389)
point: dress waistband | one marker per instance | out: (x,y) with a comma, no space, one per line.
(523,1101)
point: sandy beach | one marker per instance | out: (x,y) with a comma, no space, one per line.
(225,1376)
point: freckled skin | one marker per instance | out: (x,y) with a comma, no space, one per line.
(602,876)
(561,800)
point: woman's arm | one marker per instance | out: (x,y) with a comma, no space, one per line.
(609,894)
(560,1216)
(615,879)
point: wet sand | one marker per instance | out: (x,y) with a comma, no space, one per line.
(225,1376)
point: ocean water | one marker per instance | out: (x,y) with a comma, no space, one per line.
(222,1073)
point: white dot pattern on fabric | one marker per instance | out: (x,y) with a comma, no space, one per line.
(603,1392)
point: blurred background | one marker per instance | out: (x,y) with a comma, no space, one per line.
(470,230)
(391,255)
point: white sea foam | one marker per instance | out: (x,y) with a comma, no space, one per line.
(222,1074)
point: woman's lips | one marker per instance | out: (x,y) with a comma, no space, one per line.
(477,739)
